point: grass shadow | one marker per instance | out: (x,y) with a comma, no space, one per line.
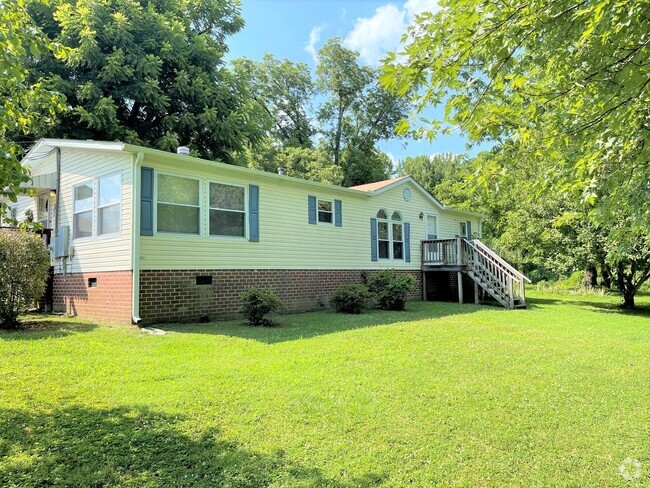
(313,324)
(596,306)
(81,446)
(42,326)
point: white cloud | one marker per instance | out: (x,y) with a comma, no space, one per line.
(314,37)
(374,36)
(414,7)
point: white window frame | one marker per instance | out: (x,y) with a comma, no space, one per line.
(245,211)
(92,210)
(98,206)
(389,220)
(462,223)
(331,202)
(155,205)
(426,225)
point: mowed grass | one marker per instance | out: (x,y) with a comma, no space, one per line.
(442,394)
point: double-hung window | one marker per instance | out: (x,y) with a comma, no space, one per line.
(178,206)
(397,236)
(390,235)
(108,205)
(325,212)
(463,229)
(82,210)
(227,210)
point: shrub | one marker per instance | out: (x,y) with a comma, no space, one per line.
(351,299)
(24,267)
(390,289)
(256,303)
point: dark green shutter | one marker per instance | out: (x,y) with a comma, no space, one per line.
(407,242)
(373,239)
(146,201)
(338,214)
(253,213)
(311,201)
(469,229)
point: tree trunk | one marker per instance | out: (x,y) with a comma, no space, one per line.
(625,284)
(605,275)
(337,137)
(591,277)
(628,299)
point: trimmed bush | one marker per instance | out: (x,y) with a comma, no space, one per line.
(390,289)
(24,267)
(351,299)
(256,303)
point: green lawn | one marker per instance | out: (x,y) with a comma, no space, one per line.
(447,394)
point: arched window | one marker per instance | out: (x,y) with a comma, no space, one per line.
(390,235)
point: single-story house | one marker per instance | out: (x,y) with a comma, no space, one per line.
(140,234)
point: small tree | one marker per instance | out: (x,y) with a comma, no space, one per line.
(256,303)
(24,266)
(390,289)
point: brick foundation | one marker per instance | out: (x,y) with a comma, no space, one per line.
(173,295)
(108,301)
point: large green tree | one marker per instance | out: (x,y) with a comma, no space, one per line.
(431,170)
(284,91)
(567,82)
(21,101)
(147,72)
(356,114)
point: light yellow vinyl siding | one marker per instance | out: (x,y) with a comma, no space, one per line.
(109,253)
(22,204)
(287,240)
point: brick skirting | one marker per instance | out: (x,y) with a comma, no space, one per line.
(173,295)
(108,300)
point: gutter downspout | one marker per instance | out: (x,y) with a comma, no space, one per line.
(135,239)
(57,201)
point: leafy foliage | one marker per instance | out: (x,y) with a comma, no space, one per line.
(147,73)
(351,299)
(257,303)
(390,289)
(563,87)
(284,91)
(335,142)
(431,171)
(24,267)
(24,106)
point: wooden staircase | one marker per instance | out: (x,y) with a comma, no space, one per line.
(493,274)
(487,269)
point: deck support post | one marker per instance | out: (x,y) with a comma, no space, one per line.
(424,286)
(476,300)
(460,287)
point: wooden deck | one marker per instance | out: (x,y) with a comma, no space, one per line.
(486,268)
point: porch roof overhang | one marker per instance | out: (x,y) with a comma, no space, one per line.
(42,182)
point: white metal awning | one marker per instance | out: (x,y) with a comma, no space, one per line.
(46,181)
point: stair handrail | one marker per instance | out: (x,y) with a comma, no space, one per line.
(480,257)
(478,244)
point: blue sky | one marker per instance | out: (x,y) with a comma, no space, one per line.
(296,29)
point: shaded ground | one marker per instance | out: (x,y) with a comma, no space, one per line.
(557,395)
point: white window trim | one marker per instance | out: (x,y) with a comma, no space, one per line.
(156,202)
(98,206)
(462,222)
(426,228)
(318,222)
(390,241)
(92,210)
(245,211)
